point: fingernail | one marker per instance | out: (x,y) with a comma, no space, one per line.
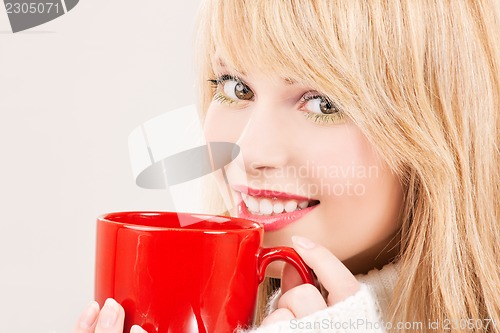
(109,314)
(303,242)
(89,315)
(137,329)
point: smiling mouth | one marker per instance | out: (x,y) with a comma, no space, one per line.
(274,206)
(267,203)
(274,210)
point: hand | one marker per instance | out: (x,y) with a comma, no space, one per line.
(299,300)
(109,320)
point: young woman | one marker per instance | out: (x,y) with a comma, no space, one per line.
(369,133)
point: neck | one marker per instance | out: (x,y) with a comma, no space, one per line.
(375,257)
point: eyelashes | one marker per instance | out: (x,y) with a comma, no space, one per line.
(221,79)
(223,99)
(325,119)
(232,91)
(327,112)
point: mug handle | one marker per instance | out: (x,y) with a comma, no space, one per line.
(268,255)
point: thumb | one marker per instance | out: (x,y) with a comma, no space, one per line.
(290,278)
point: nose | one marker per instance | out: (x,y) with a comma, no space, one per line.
(264,141)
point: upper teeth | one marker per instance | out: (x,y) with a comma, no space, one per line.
(265,206)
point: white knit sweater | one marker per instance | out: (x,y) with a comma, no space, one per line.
(361,312)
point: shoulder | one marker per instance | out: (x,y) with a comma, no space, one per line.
(381,282)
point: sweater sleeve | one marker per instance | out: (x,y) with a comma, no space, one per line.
(357,313)
(361,312)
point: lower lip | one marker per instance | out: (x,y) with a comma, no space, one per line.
(273,222)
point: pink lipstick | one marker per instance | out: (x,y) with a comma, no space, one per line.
(273,209)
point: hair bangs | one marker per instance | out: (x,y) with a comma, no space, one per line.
(273,37)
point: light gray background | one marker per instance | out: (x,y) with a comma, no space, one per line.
(71,91)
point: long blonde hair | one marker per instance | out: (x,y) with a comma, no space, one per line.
(421,79)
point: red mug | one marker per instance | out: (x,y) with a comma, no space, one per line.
(182,272)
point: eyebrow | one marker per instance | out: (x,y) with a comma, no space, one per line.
(221,63)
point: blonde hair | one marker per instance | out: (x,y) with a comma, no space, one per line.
(421,80)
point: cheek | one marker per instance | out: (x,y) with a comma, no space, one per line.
(361,198)
(222,124)
(339,158)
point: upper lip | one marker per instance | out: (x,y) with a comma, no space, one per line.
(269,193)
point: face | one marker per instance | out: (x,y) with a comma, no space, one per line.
(305,168)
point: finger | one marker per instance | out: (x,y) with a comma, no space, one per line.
(278,315)
(331,272)
(137,329)
(87,321)
(111,318)
(302,300)
(290,278)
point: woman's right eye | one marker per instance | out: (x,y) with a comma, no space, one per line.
(231,89)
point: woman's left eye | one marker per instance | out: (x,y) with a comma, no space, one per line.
(321,109)
(320,105)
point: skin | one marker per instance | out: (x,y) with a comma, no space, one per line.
(360,199)
(354,228)
(351,231)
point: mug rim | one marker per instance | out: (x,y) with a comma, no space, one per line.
(247,225)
